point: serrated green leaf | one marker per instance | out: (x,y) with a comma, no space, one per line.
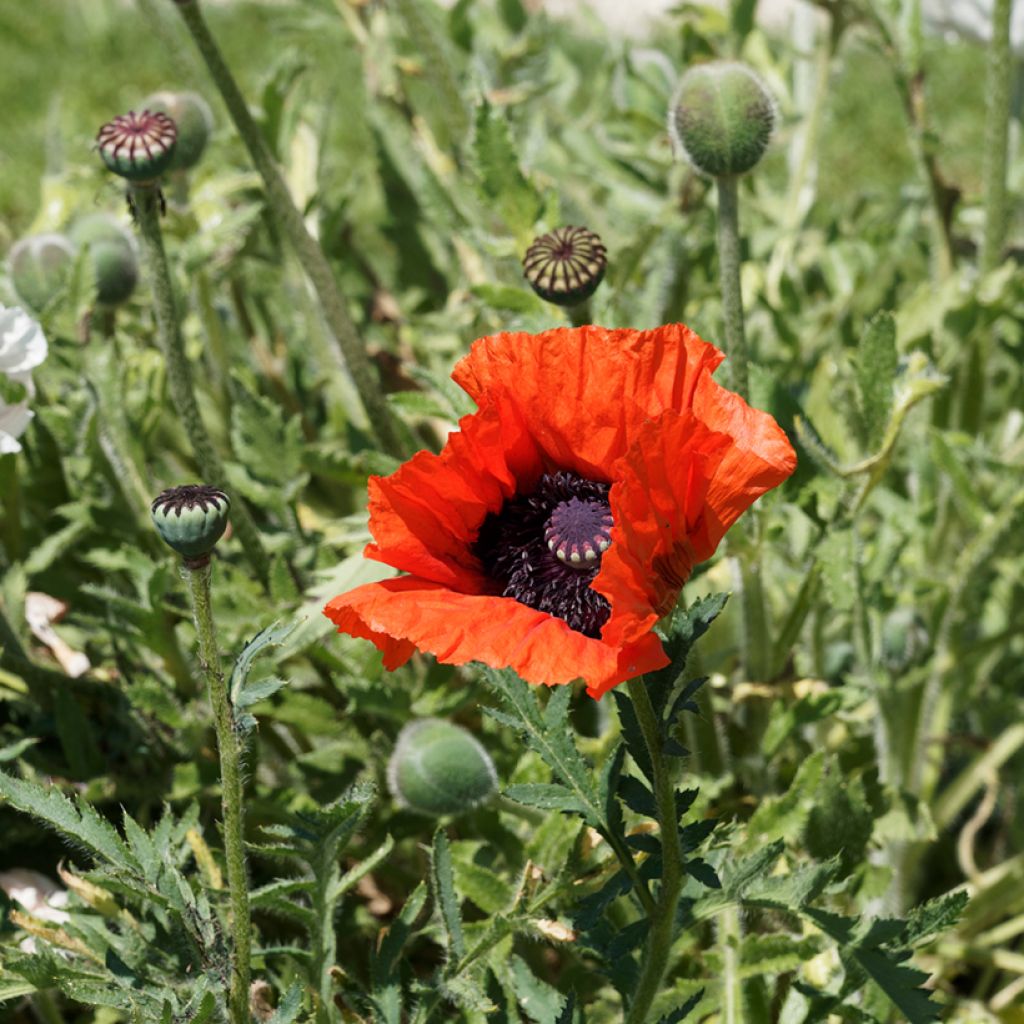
(502,182)
(547,796)
(271,636)
(443,889)
(73,818)
(540,1001)
(549,735)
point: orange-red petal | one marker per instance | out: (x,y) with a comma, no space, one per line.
(659,504)
(426,514)
(407,613)
(759,458)
(586,392)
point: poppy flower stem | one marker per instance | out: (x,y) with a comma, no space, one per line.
(349,351)
(663,920)
(729,276)
(145,200)
(231,789)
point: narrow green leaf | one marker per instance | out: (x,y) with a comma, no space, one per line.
(443,886)
(875,365)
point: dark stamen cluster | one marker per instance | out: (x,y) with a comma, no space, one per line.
(515,548)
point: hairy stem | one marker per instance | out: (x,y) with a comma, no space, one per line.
(997,133)
(663,920)
(146,203)
(349,352)
(231,791)
(729,276)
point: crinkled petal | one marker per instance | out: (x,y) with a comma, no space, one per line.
(406,613)
(759,458)
(22,342)
(659,505)
(426,514)
(586,392)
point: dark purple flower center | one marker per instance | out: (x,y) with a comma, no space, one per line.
(544,549)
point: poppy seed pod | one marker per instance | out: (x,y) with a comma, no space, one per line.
(40,267)
(139,147)
(438,768)
(193,119)
(191,519)
(566,265)
(722,118)
(111,253)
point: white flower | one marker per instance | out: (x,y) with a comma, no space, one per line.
(22,349)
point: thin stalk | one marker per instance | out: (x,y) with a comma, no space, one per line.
(729,276)
(729,938)
(800,194)
(662,931)
(231,790)
(179,374)
(349,352)
(997,133)
(974,372)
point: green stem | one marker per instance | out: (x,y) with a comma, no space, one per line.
(663,920)
(231,790)
(997,131)
(729,274)
(729,937)
(350,352)
(803,181)
(146,203)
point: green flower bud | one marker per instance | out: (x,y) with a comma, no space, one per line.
(40,267)
(722,118)
(905,639)
(191,519)
(194,120)
(439,768)
(112,255)
(139,147)
(566,265)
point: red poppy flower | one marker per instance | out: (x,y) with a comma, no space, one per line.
(562,518)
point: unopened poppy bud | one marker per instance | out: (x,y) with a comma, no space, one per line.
(40,267)
(191,519)
(722,118)
(566,265)
(905,639)
(439,768)
(111,253)
(193,119)
(138,146)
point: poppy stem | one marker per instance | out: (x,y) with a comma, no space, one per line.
(729,276)
(231,790)
(349,350)
(145,200)
(662,931)
(974,372)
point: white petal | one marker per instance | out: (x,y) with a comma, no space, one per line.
(13,421)
(22,342)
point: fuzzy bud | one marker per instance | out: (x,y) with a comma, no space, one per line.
(40,267)
(194,120)
(191,519)
(905,640)
(111,252)
(438,768)
(722,118)
(566,265)
(139,147)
